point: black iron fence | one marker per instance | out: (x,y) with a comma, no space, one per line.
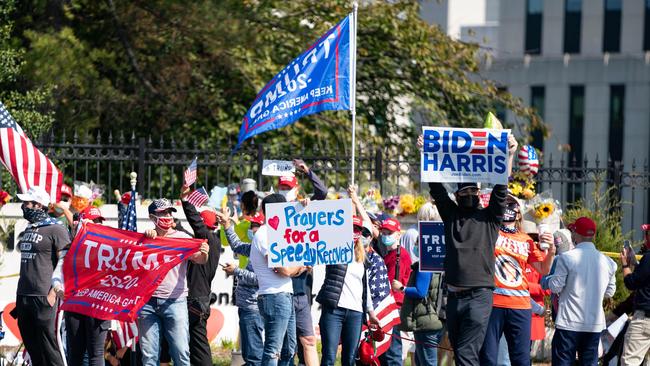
(108,160)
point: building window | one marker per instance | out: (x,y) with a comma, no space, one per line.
(572,25)
(612,31)
(576,131)
(533,44)
(646,27)
(499,109)
(537,100)
(616,121)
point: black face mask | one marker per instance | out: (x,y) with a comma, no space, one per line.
(510,213)
(468,202)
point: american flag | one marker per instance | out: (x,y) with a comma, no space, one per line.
(190,174)
(129,218)
(26,164)
(383,303)
(125,334)
(198,197)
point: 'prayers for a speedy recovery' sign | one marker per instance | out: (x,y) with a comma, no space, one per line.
(464,155)
(320,233)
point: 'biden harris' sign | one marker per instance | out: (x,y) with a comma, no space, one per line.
(464,155)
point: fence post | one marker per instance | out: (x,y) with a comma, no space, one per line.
(378,169)
(260,165)
(141,154)
(618,179)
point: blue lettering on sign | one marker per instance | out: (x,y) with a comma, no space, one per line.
(308,220)
(500,142)
(309,254)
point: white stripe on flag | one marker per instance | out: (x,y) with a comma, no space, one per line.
(43,177)
(31,165)
(18,156)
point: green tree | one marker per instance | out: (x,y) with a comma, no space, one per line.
(29,106)
(194,68)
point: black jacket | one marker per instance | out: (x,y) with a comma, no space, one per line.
(639,282)
(200,276)
(470,236)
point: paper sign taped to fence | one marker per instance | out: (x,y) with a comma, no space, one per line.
(277,167)
(432,246)
(318,234)
(452,155)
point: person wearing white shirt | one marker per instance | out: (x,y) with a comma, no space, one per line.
(582,278)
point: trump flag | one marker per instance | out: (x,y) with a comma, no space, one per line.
(317,80)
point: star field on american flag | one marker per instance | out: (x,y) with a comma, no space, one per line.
(130,219)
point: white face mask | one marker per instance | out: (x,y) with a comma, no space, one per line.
(65,204)
(290,195)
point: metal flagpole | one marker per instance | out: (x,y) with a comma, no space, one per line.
(353,82)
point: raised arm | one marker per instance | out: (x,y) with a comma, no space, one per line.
(361,211)
(193,217)
(320,191)
(236,244)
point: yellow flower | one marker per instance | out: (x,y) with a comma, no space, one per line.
(515,188)
(407,203)
(419,201)
(528,193)
(544,210)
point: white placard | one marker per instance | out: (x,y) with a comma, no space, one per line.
(318,234)
(277,167)
(452,155)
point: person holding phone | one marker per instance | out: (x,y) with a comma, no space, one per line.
(637,337)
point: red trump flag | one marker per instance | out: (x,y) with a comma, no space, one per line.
(111,273)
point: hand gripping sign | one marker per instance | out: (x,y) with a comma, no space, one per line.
(464,155)
(111,273)
(320,233)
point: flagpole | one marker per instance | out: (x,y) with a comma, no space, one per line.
(353,82)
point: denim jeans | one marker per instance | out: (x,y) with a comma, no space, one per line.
(339,324)
(251,329)
(514,325)
(426,351)
(279,319)
(393,356)
(503,359)
(567,343)
(167,317)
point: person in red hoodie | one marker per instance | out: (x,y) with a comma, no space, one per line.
(398,263)
(537,294)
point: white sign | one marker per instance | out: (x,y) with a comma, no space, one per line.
(318,234)
(277,167)
(464,155)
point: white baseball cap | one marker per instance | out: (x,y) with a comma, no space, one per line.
(36,194)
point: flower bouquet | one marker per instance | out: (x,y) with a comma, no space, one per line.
(545,210)
(522,185)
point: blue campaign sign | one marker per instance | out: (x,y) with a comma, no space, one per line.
(317,80)
(432,246)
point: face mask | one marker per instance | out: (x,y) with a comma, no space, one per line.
(468,202)
(290,195)
(65,204)
(365,241)
(164,223)
(356,236)
(510,213)
(33,215)
(251,234)
(388,240)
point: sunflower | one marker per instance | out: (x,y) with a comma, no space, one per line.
(544,210)
(407,203)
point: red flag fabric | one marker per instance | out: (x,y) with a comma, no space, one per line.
(111,273)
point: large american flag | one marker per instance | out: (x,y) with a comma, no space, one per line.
(384,304)
(26,164)
(190,173)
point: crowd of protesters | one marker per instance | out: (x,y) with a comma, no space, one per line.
(489,301)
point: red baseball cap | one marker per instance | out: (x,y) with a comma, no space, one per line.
(258,218)
(390,225)
(288,180)
(126,198)
(583,226)
(92,213)
(209,218)
(645,227)
(66,190)
(356,221)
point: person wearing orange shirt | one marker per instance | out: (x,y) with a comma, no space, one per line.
(511,310)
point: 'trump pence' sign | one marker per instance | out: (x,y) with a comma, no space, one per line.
(464,155)
(432,246)
(320,233)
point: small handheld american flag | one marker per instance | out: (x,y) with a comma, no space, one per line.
(190,174)
(130,218)
(198,198)
(27,165)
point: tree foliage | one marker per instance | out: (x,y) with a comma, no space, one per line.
(195,67)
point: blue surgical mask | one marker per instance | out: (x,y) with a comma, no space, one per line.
(388,240)
(251,234)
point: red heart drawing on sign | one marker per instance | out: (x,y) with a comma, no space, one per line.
(274,222)
(215,323)
(10,322)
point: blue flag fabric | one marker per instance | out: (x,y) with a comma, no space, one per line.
(317,80)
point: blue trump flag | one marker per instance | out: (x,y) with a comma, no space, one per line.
(317,80)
